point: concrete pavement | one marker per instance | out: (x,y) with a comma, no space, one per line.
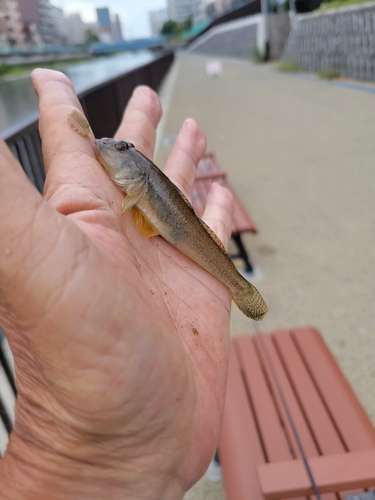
(300,153)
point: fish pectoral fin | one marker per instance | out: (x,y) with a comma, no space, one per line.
(134,193)
(143,225)
(214,236)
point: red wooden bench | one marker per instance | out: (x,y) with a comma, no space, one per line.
(258,451)
(208,171)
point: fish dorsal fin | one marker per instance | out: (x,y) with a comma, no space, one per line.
(213,236)
(143,225)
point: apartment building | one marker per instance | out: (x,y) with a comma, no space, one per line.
(38,24)
(11,27)
(59,23)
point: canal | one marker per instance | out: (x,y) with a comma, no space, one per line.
(18,101)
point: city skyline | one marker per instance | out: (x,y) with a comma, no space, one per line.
(134,14)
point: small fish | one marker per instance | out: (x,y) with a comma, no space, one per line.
(158,207)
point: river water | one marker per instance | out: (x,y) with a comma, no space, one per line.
(18,102)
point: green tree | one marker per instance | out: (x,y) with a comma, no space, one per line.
(91,36)
(170,28)
(188,23)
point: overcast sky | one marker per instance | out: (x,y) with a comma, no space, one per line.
(133,13)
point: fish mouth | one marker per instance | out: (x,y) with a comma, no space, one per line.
(101,143)
(101,148)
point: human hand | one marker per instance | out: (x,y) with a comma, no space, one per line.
(120,343)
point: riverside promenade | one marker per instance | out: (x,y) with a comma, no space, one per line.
(300,153)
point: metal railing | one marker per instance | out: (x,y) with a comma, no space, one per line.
(103,106)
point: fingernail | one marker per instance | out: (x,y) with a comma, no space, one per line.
(194,132)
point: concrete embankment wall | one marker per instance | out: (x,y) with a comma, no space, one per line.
(342,40)
(233,39)
(239,38)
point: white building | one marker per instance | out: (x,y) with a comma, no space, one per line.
(76,29)
(157,19)
(59,23)
(116,29)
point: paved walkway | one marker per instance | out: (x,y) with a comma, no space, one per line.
(300,152)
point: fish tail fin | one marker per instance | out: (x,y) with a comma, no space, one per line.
(251,303)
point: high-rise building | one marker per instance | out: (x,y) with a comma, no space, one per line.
(116,29)
(104,19)
(104,25)
(11,25)
(45,23)
(109,29)
(59,22)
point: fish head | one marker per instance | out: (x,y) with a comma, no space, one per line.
(114,157)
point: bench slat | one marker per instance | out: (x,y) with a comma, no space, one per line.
(208,171)
(299,421)
(354,425)
(352,470)
(239,452)
(313,407)
(272,435)
(290,397)
(241,221)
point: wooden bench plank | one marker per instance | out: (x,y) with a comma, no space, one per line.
(352,470)
(350,418)
(266,341)
(290,397)
(271,433)
(297,355)
(239,452)
(319,421)
(208,171)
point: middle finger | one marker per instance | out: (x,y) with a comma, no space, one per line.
(187,150)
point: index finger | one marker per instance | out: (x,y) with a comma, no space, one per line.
(69,158)
(74,175)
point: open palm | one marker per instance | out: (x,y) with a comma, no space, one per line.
(120,342)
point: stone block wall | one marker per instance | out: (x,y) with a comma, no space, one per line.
(342,40)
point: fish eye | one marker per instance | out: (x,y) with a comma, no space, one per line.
(121,145)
